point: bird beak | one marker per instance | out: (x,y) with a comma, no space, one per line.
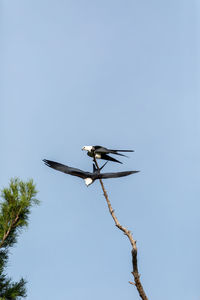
(82,148)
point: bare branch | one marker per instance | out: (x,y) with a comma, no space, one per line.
(127,232)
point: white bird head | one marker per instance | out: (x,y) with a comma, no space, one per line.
(87,148)
(88,181)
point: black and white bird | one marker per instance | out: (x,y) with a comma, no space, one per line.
(100,152)
(88,177)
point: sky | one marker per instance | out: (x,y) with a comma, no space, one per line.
(121,74)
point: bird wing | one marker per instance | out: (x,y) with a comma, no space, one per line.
(103,150)
(100,149)
(95,170)
(65,169)
(116,152)
(120,150)
(116,174)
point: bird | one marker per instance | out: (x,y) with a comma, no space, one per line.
(88,177)
(100,152)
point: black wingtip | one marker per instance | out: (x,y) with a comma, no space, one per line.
(103,165)
(132,172)
(47,162)
(94,168)
(124,150)
(117,161)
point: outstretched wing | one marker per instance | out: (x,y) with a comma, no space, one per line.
(116,174)
(95,170)
(65,169)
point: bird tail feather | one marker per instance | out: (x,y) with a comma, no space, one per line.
(107,157)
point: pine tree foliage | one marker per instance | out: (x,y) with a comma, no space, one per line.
(15,208)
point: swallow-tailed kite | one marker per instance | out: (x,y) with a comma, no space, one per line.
(102,152)
(88,177)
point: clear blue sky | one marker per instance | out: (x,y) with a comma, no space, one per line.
(122,74)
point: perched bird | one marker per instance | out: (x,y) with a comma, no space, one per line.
(102,152)
(88,177)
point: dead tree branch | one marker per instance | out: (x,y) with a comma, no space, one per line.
(127,232)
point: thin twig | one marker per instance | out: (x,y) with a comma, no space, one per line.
(127,232)
(6,234)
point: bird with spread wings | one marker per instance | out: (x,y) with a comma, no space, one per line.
(88,177)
